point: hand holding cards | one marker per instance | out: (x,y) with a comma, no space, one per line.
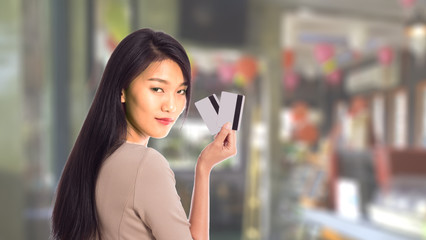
(215,113)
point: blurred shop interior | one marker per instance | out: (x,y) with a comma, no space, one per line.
(332,144)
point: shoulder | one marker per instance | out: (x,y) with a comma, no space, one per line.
(154,161)
(155,155)
(148,159)
(138,157)
(144,156)
(137,151)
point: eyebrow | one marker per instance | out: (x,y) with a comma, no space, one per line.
(165,81)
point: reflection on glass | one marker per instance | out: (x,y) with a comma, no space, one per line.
(379,117)
(423,136)
(400,123)
(185,142)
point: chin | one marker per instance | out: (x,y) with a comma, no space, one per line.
(160,135)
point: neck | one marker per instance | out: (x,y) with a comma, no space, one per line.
(135,137)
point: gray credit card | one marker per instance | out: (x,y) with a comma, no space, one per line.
(216,113)
(209,109)
(230,110)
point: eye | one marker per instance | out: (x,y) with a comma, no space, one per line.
(158,90)
(182,92)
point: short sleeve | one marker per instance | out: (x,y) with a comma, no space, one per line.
(156,199)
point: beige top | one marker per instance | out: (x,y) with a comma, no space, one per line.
(136,197)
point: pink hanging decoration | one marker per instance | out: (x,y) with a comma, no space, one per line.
(385,55)
(291,80)
(334,78)
(408,3)
(226,72)
(323,52)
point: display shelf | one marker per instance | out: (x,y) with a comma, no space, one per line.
(357,229)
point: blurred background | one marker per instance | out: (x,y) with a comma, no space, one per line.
(332,144)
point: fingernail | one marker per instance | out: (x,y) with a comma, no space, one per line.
(228,125)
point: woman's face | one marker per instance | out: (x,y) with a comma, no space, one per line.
(154,101)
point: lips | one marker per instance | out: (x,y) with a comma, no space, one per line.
(165,121)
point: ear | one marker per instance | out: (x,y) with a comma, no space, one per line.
(123,96)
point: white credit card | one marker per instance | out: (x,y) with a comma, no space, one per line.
(208,108)
(230,110)
(216,113)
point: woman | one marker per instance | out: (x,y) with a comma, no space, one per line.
(115,187)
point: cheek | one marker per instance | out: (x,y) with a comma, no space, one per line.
(140,104)
(182,105)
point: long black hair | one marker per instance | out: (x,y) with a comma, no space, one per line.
(104,130)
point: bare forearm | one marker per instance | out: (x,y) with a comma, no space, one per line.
(199,215)
(220,149)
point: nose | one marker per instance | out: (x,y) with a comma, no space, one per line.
(169,104)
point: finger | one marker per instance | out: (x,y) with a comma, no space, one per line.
(221,136)
(232,138)
(215,136)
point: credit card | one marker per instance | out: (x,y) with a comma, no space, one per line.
(208,108)
(216,113)
(230,110)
